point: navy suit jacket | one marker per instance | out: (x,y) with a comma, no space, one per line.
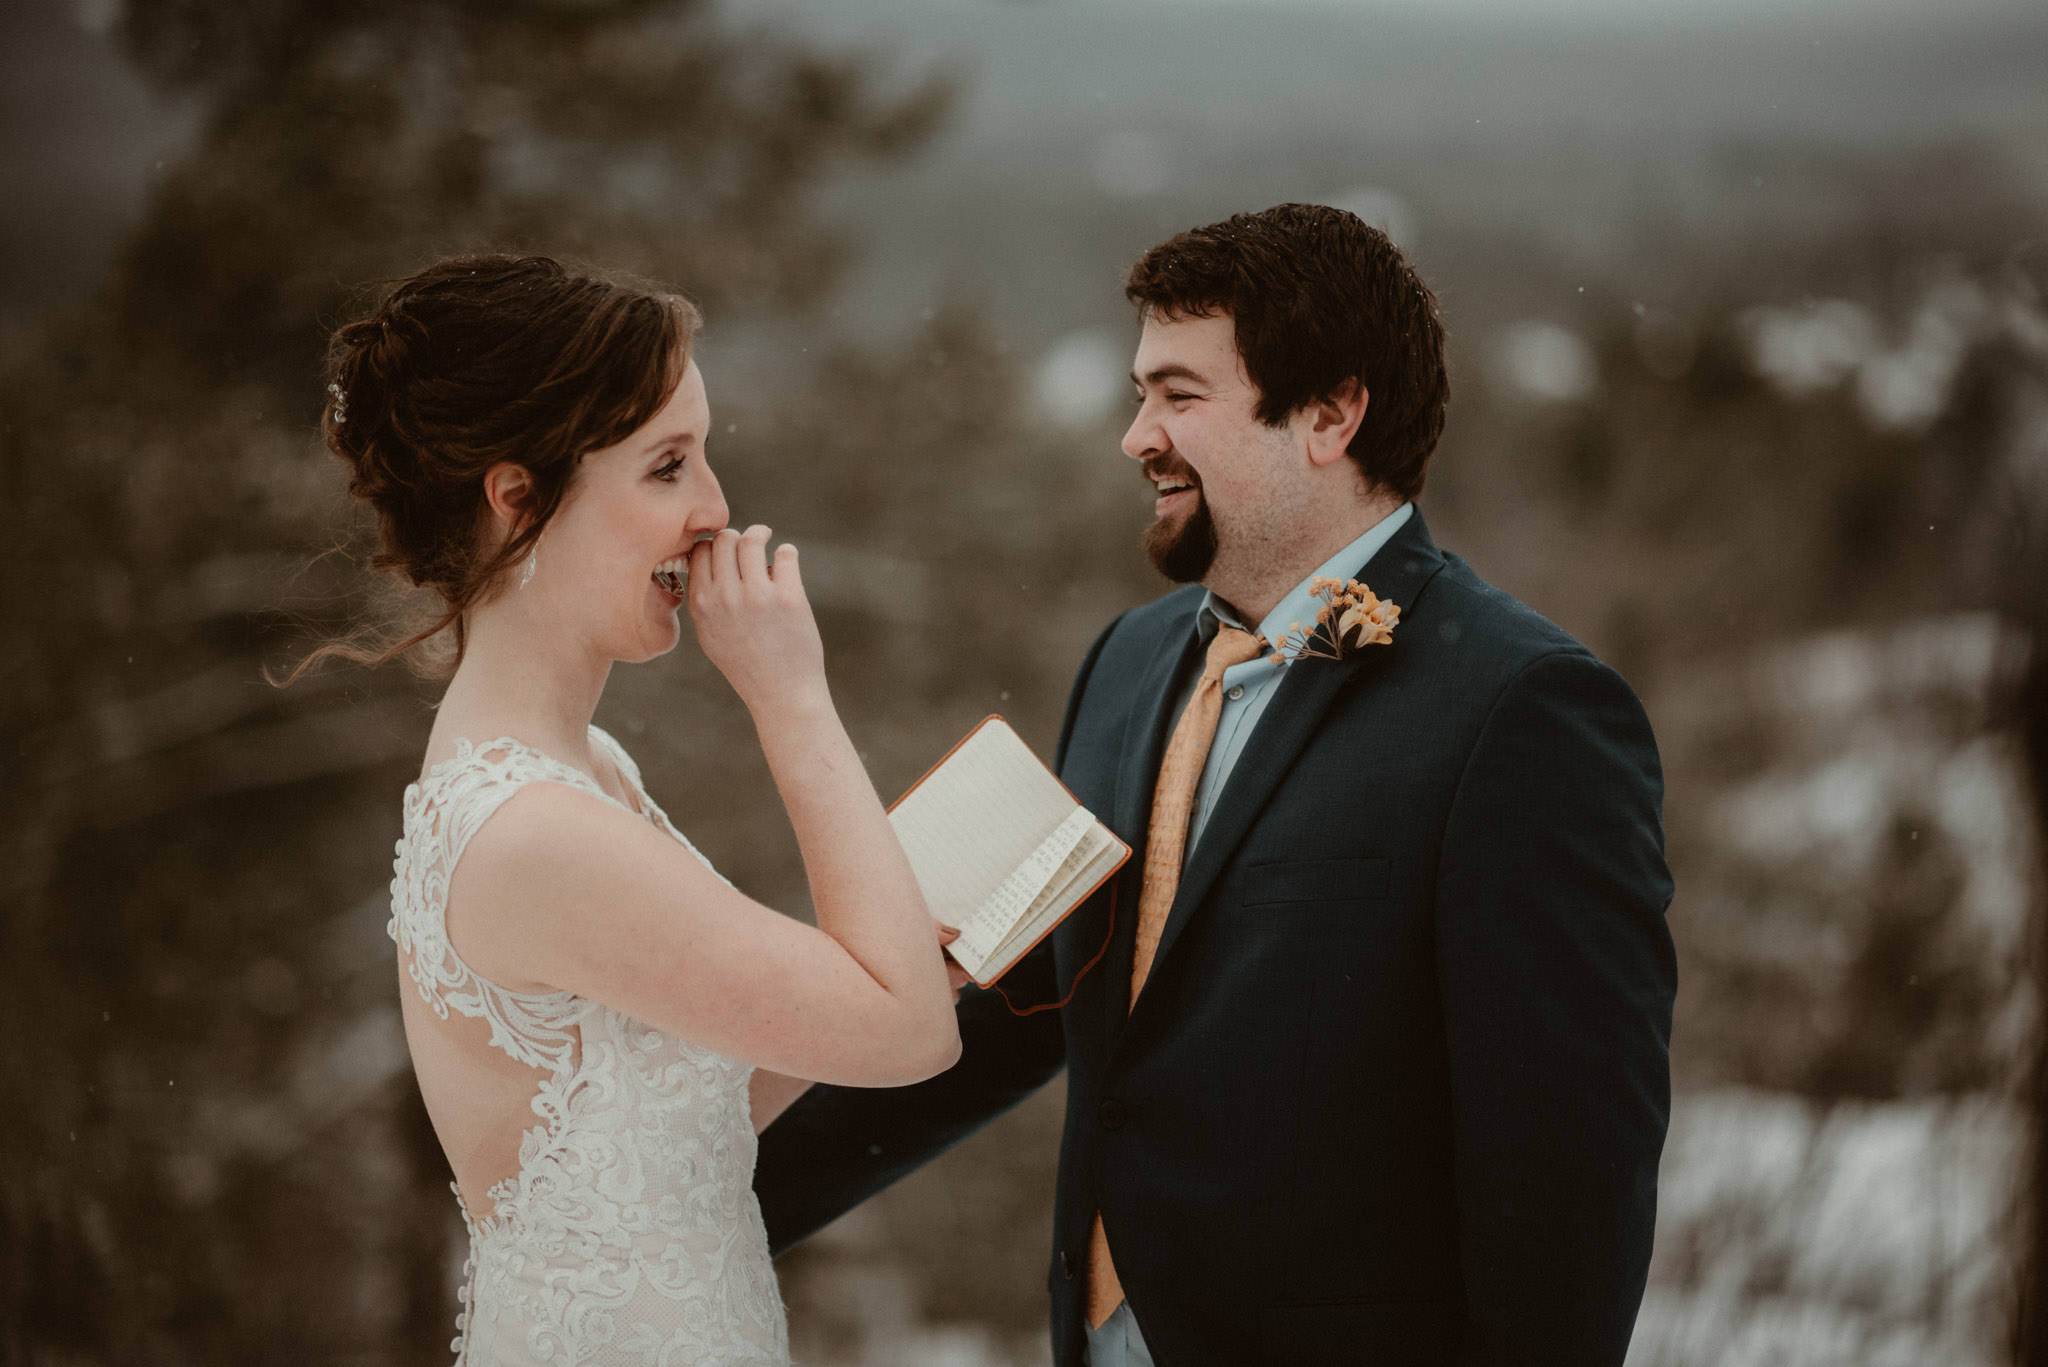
(1396,1087)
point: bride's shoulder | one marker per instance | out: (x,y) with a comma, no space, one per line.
(469,773)
(459,754)
(465,782)
(608,743)
(533,842)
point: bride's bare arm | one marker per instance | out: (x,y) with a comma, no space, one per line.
(773,1093)
(583,896)
(560,889)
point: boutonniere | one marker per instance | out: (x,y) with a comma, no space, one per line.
(1352,617)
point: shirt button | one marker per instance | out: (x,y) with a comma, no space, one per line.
(1236,694)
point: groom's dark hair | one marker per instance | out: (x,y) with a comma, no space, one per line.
(1319,298)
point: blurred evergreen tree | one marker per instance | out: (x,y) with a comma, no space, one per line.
(218,1155)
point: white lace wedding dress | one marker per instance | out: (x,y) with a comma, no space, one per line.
(630,1233)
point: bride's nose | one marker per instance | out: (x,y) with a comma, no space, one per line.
(709,514)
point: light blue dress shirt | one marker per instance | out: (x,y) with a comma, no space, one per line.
(1248,687)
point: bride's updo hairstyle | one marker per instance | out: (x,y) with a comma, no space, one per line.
(475,361)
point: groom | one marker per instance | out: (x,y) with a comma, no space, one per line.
(1374,1068)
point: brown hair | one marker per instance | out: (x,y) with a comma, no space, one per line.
(475,361)
(1318,299)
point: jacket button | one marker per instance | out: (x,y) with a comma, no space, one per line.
(1112,1115)
(1066,1265)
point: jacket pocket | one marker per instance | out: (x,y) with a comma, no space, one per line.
(1402,1333)
(1276,882)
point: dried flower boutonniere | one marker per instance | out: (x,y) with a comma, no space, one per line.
(1352,617)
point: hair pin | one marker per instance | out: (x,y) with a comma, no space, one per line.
(340,402)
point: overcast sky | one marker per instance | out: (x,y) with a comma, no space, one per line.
(1054,89)
(1633,13)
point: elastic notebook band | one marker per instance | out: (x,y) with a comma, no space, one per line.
(1073,986)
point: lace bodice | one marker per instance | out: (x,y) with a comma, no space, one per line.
(630,1233)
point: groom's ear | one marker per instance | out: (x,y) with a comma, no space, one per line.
(508,488)
(1332,421)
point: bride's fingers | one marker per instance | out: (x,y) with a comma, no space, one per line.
(699,582)
(725,559)
(752,555)
(784,571)
(957,975)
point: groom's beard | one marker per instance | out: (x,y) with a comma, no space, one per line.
(1183,551)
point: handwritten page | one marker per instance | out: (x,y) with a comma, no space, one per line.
(1033,882)
(996,842)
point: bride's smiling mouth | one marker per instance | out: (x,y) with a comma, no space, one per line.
(672,577)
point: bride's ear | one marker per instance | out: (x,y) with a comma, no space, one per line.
(508,488)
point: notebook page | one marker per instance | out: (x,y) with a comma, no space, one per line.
(1106,853)
(1022,892)
(1093,840)
(976,819)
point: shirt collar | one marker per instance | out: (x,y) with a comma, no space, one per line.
(1300,605)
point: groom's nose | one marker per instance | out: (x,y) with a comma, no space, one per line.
(1144,437)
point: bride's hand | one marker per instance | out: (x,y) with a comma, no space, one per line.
(956,976)
(753,620)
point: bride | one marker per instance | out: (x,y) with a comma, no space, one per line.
(599,1022)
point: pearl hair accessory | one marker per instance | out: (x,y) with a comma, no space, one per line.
(340,402)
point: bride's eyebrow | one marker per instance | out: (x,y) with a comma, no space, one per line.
(673,441)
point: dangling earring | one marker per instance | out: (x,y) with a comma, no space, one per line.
(532,564)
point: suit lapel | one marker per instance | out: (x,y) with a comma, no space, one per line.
(1399,573)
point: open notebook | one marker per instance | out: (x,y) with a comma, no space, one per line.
(1000,848)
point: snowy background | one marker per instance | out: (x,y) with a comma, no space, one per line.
(1748,310)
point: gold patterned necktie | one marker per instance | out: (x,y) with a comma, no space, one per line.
(1166,839)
